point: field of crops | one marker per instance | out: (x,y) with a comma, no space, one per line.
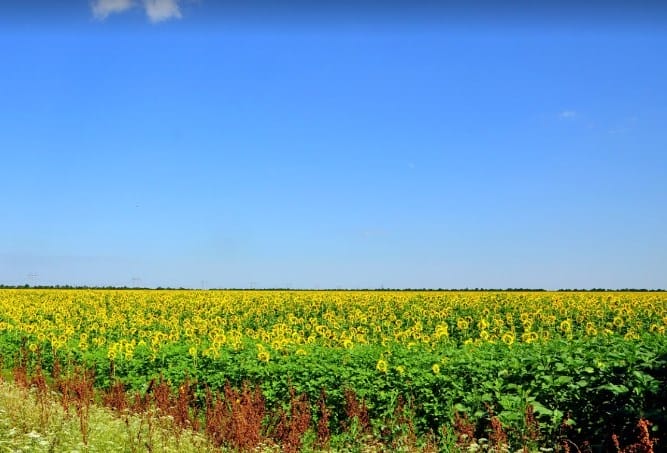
(582,365)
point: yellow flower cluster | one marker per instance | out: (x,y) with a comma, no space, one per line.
(120,322)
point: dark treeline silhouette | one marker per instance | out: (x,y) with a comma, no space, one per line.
(160,288)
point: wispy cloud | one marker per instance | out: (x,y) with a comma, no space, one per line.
(161,10)
(156,10)
(565,114)
(103,8)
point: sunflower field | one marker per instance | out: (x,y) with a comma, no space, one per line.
(583,364)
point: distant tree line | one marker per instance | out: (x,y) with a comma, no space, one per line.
(109,287)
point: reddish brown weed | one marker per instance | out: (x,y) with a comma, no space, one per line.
(116,397)
(291,427)
(644,443)
(236,419)
(497,435)
(323,433)
(355,409)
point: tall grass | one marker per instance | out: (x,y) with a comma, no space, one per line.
(33,419)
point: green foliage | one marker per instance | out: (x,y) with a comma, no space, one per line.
(572,383)
(600,384)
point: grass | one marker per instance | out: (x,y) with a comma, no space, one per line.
(34,420)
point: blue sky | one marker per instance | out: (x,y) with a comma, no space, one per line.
(171,143)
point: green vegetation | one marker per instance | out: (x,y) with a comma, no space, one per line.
(33,420)
(336,370)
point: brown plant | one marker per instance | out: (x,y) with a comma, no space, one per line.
(181,407)
(291,428)
(464,430)
(323,433)
(644,444)
(56,369)
(532,432)
(355,409)
(497,435)
(116,397)
(38,382)
(236,418)
(161,391)
(78,390)
(20,370)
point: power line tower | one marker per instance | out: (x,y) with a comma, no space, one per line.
(32,278)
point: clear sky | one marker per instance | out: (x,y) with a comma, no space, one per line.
(194,143)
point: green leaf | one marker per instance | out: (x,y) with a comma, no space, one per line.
(538,408)
(615,389)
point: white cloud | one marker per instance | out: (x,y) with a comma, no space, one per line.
(102,8)
(567,114)
(160,10)
(156,10)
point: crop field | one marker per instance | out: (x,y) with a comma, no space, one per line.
(395,369)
